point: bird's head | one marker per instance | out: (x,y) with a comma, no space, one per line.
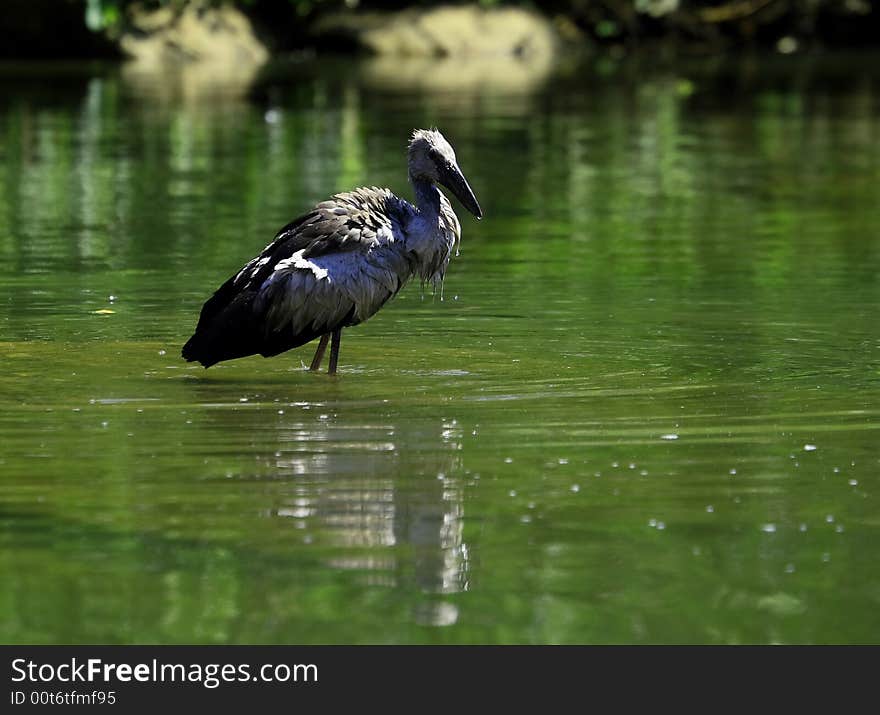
(431,158)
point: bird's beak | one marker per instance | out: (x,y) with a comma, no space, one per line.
(452,178)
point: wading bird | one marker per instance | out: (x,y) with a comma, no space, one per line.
(336,265)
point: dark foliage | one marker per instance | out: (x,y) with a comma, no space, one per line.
(82,28)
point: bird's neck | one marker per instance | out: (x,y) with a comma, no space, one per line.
(427,197)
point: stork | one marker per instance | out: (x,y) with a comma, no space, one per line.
(338,264)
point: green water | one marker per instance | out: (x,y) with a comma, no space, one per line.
(647,409)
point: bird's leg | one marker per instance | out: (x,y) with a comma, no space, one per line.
(334,351)
(319,353)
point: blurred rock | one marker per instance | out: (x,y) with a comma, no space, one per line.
(198,53)
(460,31)
(196,32)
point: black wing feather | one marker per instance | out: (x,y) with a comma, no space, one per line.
(290,239)
(227,326)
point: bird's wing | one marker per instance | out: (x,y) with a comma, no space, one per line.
(346,222)
(282,298)
(248,275)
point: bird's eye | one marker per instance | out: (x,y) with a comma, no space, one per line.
(435,156)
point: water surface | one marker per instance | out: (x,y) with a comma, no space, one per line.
(645,410)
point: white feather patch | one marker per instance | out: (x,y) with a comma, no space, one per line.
(297,261)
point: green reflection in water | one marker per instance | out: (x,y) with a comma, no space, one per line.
(604,433)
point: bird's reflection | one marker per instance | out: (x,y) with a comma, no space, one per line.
(381,496)
(367,486)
